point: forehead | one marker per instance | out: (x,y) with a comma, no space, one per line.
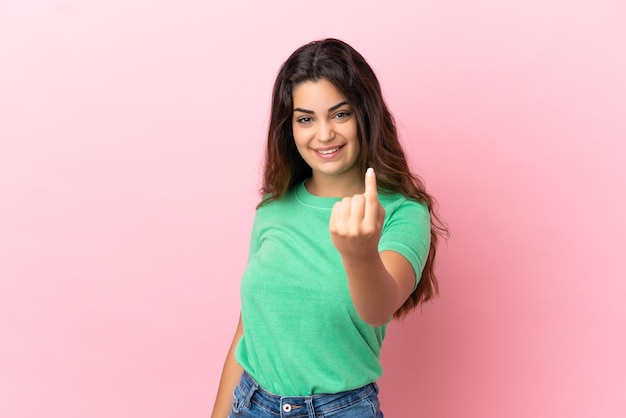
(319,93)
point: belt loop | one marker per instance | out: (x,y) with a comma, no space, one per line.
(248,398)
(308,400)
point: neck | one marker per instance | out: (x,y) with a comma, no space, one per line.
(335,186)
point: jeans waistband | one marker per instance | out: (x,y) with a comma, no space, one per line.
(293,406)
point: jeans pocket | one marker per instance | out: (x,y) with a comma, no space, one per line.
(367,407)
(373,400)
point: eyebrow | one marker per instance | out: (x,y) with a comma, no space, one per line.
(330,109)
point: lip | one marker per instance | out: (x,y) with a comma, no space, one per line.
(320,154)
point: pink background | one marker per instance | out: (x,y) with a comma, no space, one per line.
(131,144)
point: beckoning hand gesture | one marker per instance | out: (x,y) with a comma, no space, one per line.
(356,222)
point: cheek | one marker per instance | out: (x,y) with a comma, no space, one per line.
(299,142)
(299,137)
(351,131)
(354,137)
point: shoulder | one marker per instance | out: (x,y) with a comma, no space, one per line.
(398,205)
(269,205)
(407,229)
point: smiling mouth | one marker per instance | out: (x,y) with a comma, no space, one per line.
(329,151)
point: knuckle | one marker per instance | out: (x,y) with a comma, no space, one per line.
(368,230)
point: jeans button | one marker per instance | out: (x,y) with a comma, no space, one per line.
(286,407)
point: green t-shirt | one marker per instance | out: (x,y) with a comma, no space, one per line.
(302,334)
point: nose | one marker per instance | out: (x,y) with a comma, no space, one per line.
(325,131)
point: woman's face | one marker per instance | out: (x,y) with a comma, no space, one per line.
(325,129)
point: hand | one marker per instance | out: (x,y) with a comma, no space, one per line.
(356,222)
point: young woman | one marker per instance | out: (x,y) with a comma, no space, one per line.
(343,240)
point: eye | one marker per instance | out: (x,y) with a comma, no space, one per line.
(342,114)
(304,120)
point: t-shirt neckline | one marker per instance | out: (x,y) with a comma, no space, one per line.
(305,197)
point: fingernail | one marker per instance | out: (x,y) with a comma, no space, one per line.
(369,172)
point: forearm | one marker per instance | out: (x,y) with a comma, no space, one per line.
(375,293)
(379,283)
(231,374)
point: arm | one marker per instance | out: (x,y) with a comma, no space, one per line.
(231,374)
(379,283)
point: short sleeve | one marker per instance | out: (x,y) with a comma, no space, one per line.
(407,232)
(254,237)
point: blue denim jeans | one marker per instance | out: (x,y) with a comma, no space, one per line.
(251,400)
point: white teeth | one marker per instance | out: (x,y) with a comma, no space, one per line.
(328,151)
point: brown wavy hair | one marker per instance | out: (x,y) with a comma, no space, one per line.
(339,63)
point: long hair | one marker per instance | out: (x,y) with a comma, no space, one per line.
(347,70)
